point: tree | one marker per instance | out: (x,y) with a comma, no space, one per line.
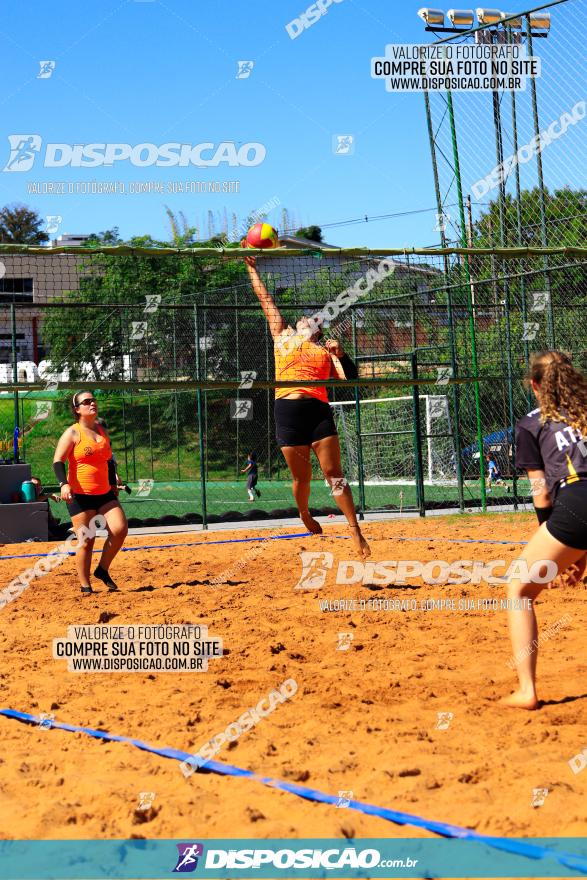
(109,237)
(313,233)
(566,219)
(21,225)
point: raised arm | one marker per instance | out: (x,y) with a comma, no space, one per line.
(274,318)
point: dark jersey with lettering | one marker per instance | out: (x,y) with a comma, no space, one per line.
(553,447)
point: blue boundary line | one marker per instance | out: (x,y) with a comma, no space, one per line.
(273,538)
(168,546)
(443,829)
(463,540)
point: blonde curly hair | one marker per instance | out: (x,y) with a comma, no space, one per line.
(563,389)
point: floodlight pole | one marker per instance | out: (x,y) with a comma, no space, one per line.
(472,331)
(541,195)
(520,239)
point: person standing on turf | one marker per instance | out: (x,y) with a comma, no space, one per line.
(89,487)
(493,474)
(252,470)
(303,417)
(551,448)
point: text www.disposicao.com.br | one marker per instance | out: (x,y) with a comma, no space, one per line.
(134,664)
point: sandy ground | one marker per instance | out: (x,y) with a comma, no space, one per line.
(363,720)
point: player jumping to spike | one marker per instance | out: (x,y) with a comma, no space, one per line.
(303,416)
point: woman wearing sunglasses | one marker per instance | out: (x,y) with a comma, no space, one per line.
(89,488)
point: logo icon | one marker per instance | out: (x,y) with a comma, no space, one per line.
(442,221)
(146,799)
(241,409)
(444,375)
(47,68)
(344,641)
(46,719)
(444,719)
(538,796)
(438,408)
(23,150)
(337,485)
(540,299)
(152,303)
(344,799)
(343,144)
(53,222)
(245,68)
(187,860)
(145,487)
(247,378)
(531,329)
(314,568)
(139,328)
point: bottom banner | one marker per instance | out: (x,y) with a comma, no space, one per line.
(285,858)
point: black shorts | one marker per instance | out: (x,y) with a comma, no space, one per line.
(302,422)
(251,481)
(84,503)
(568,521)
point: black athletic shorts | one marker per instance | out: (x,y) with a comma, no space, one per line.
(568,521)
(302,422)
(251,481)
(83,503)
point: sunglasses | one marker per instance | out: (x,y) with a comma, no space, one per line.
(86,401)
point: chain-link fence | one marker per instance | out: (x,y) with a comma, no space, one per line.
(508,164)
(178,351)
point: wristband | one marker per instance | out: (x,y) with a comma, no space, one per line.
(543,513)
(59,469)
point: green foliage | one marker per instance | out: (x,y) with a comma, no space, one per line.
(313,233)
(21,225)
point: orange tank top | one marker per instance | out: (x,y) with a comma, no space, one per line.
(88,463)
(299,359)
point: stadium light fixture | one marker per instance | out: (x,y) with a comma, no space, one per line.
(489,16)
(513,22)
(540,20)
(432,16)
(461,17)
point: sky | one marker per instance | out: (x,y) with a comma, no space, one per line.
(159,71)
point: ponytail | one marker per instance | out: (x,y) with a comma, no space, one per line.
(563,389)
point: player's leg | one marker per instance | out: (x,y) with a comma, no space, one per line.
(327,452)
(83,556)
(541,548)
(117,528)
(300,466)
(250,488)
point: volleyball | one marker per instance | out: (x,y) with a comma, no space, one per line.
(262,235)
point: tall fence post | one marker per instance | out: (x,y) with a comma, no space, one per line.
(15,378)
(510,384)
(360,470)
(456,399)
(419,466)
(200,424)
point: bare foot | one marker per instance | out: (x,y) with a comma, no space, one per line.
(360,542)
(520,700)
(310,523)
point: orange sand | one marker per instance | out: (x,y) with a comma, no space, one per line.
(363,720)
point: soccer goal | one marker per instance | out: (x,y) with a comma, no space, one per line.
(386,439)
